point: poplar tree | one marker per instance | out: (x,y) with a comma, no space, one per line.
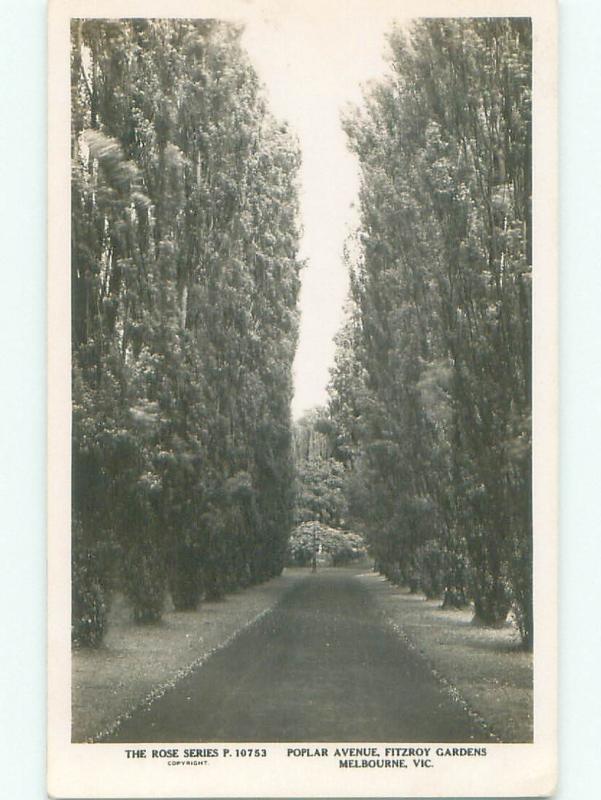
(441,289)
(184,292)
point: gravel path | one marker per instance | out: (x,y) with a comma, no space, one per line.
(322,666)
(136,662)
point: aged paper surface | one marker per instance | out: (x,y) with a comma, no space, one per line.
(331,679)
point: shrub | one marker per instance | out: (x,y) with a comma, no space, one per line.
(185,579)
(145,585)
(88,599)
(430,560)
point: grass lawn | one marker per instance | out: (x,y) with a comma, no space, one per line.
(136,663)
(485,668)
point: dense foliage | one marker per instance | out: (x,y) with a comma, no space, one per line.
(184,323)
(321,507)
(330,545)
(320,478)
(431,394)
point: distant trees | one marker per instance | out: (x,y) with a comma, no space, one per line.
(335,546)
(184,276)
(430,394)
(320,478)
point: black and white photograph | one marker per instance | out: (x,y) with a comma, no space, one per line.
(302,285)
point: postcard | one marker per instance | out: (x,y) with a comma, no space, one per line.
(302,346)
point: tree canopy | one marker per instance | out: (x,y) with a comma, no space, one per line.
(185,280)
(430,393)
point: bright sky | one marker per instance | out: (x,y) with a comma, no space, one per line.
(313,60)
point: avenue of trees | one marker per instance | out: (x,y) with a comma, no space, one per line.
(430,397)
(185,280)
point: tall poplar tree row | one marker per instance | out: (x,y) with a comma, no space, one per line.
(431,389)
(184,292)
